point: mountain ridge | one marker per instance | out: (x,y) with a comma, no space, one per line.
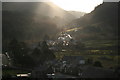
(101,23)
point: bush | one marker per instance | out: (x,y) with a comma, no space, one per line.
(97,64)
(90,61)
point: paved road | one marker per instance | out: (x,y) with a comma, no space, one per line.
(60,75)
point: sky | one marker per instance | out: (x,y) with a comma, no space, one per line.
(69,5)
(78,5)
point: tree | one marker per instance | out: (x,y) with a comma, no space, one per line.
(38,56)
(46,37)
(18,52)
(48,54)
(14,50)
(44,46)
(36,51)
(42,53)
(90,61)
(97,64)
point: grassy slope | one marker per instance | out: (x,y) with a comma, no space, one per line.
(111,62)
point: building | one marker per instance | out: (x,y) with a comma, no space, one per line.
(74,59)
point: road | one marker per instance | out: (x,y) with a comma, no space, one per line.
(60,75)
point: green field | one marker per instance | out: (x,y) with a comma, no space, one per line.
(106,60)
(100,43)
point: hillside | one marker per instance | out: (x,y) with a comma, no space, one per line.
(77,14)
(31,21)
(39,9)
(101,23)
(36,20)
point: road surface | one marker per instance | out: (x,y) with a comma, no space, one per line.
(60,75)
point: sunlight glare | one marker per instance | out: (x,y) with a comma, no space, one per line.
(77,5)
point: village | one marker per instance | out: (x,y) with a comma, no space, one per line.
(65,65)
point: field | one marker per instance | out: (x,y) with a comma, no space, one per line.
(100,43)
(108,61)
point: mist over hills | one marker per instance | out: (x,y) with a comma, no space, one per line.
(32,21)
(26,21)
(101,23)
(77,14)
(39,10)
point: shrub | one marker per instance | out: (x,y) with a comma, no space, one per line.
(97,64)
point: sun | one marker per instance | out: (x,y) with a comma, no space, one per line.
(78,5)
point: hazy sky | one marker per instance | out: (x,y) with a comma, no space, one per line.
(74,5)
(78,5)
